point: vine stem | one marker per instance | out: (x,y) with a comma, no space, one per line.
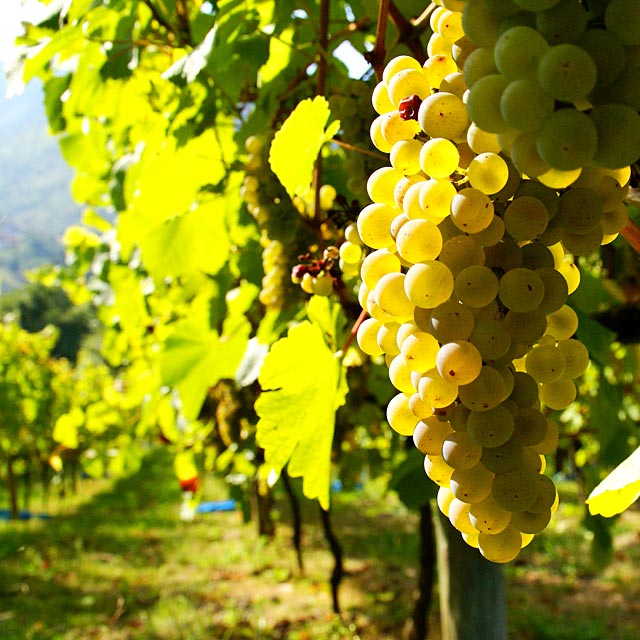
(351,147)
(354,330)
(379,50)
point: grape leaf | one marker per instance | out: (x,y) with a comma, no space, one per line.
(618,490)
(297,144)
(302,389)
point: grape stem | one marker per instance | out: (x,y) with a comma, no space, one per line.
(354,330)
(351,147)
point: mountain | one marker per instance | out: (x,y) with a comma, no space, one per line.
(35,199)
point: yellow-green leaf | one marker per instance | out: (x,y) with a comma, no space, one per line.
(619,490)
(297,144)
(302,389)
(65,430)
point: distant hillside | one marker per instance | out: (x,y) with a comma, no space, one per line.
(35,200)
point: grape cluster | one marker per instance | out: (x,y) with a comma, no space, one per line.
(269,205)
(466,285)
(557,80)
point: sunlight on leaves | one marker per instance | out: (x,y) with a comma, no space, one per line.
(619,490)
(297,144)
(302,388)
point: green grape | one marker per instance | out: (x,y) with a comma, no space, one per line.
(569,269)
(471,485)
(547,495)
(550,442)
(526,218)
(428,284)
(394,128)
(530,426)
(565,22)
(461,251)
(471,210)
(562,324)
(387,338)
(411,201)
(615,219)
(486,392)
(419,407)
(443,115)
(323,285)
(458,417)
(459,362)
(439,158)
(622,18)
(525,156)
(541,192)
(400,376)
(405,83)
(518,51)
(396,65)
(536,5)
(576,357)
(419,351)
(482,141)
(483,103)
(556,290)
(476,286)
(491,339)
(444,499)
(559,394)
(405,157)
(492,427)
(390,296)
(559,179)
(501,547)
(516,489)
(479,24)
(437,469)
(451,321)
(461,49)
(460,452)
(487,516)
(375,133)
(453,83)
(488,173)
(567,140)
(419,240)
(583,244)
(545,363)
(607,52)
(567,72)
(478,64)
(374,223)
(429,435)
(405,330)
(459,516)
(350,253)
(435,390)
(399,416)
(492,234)
(528,522)
(526,327)
(435,197)
(580,210)
(521,290)
(525,390)
(437,67)
(375,311)
(536,255)
(505,255)
(377,264)
(450,25)
(380,99)
(366,337)
(381,185)
(618,133)
(524,105)
(503,457)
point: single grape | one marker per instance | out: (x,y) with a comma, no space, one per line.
(476,286)
(428,284)
(459,362)
(443,115)
(567,72)
(501,547)
(521,290)
(429,435)
(492,427)
(518,51)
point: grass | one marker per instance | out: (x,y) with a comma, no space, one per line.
(116,563)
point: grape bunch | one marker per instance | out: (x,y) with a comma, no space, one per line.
(466,284)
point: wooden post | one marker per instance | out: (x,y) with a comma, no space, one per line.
(472,602)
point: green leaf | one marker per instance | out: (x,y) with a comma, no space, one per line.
(302,389)
(66,428)
(297,144)
(619,490)
(411,483)
(195,357)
